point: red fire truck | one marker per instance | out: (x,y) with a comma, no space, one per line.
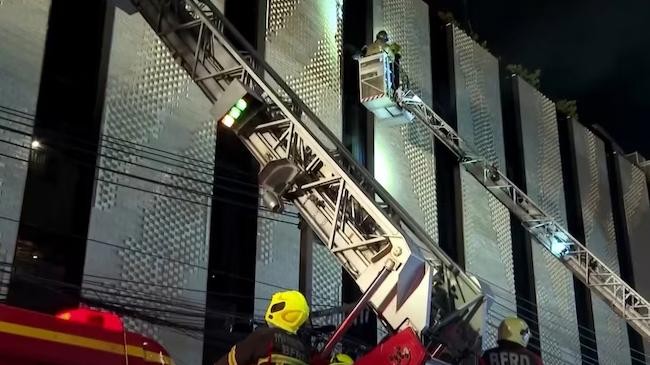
(80,336)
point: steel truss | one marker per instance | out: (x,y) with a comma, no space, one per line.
(370,234)
(624,300)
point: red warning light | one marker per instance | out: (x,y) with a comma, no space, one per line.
(105,320)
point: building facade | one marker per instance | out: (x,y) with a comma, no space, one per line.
(145,234)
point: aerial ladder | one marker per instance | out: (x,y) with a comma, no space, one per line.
(411,284)
(432,305)
(403,105)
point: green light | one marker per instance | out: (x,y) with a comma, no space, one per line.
(241,104)
(234,112)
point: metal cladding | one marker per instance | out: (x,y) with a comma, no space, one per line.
(161,246)
(545,184)
(636,204)
(598,221)
(404,159)
(486,222)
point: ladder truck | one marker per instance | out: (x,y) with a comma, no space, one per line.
(434,309)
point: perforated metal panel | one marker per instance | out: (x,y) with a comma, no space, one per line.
(486,222)
(595,200)
(149,238)
(544,183)
(637,219)
(23,26)
(407,24)
(278,259)
(304,45)
(404,160)
(326,283)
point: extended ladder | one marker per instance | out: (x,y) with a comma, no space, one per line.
(408,280)
(624,300)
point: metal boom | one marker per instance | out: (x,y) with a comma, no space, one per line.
(624,300)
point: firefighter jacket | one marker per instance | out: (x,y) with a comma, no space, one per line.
(510,353)
(392,49)
(267,346)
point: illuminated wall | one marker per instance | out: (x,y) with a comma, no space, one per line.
(637,219)
(149,228)
(486,222)
(304,46)
(23,25)
(404,160)
(597,217)
(545,185)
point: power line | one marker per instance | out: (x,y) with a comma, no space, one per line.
(154,182)
(138,148)
(183,158)
(120,294)
(99,154)
(208,165)
(194,192)
(157,256)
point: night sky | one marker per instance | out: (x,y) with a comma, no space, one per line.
(594,51)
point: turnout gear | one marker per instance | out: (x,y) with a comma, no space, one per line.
(514,330)
(288,311)
(510,353)
(267,346)
(512,338)
(277,344)
(392,50)
(381,45)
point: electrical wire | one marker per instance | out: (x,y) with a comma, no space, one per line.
(173,320)
(181,158)
(174,315)
(208,165)
(157,256)
(95,154)
(171,186)
(99,154)
(120,293)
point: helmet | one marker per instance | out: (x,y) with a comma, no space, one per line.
(341,359)
(382,35)
(514,330)
(288,310)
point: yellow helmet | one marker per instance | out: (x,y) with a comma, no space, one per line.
(514,330)
(288,310)
(342,359)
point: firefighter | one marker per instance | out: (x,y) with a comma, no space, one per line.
(341,359)
(512,340)
(381,44)
(278,343)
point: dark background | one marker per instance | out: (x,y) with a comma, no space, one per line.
(594,51)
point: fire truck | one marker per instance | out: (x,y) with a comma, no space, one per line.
(76,337)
